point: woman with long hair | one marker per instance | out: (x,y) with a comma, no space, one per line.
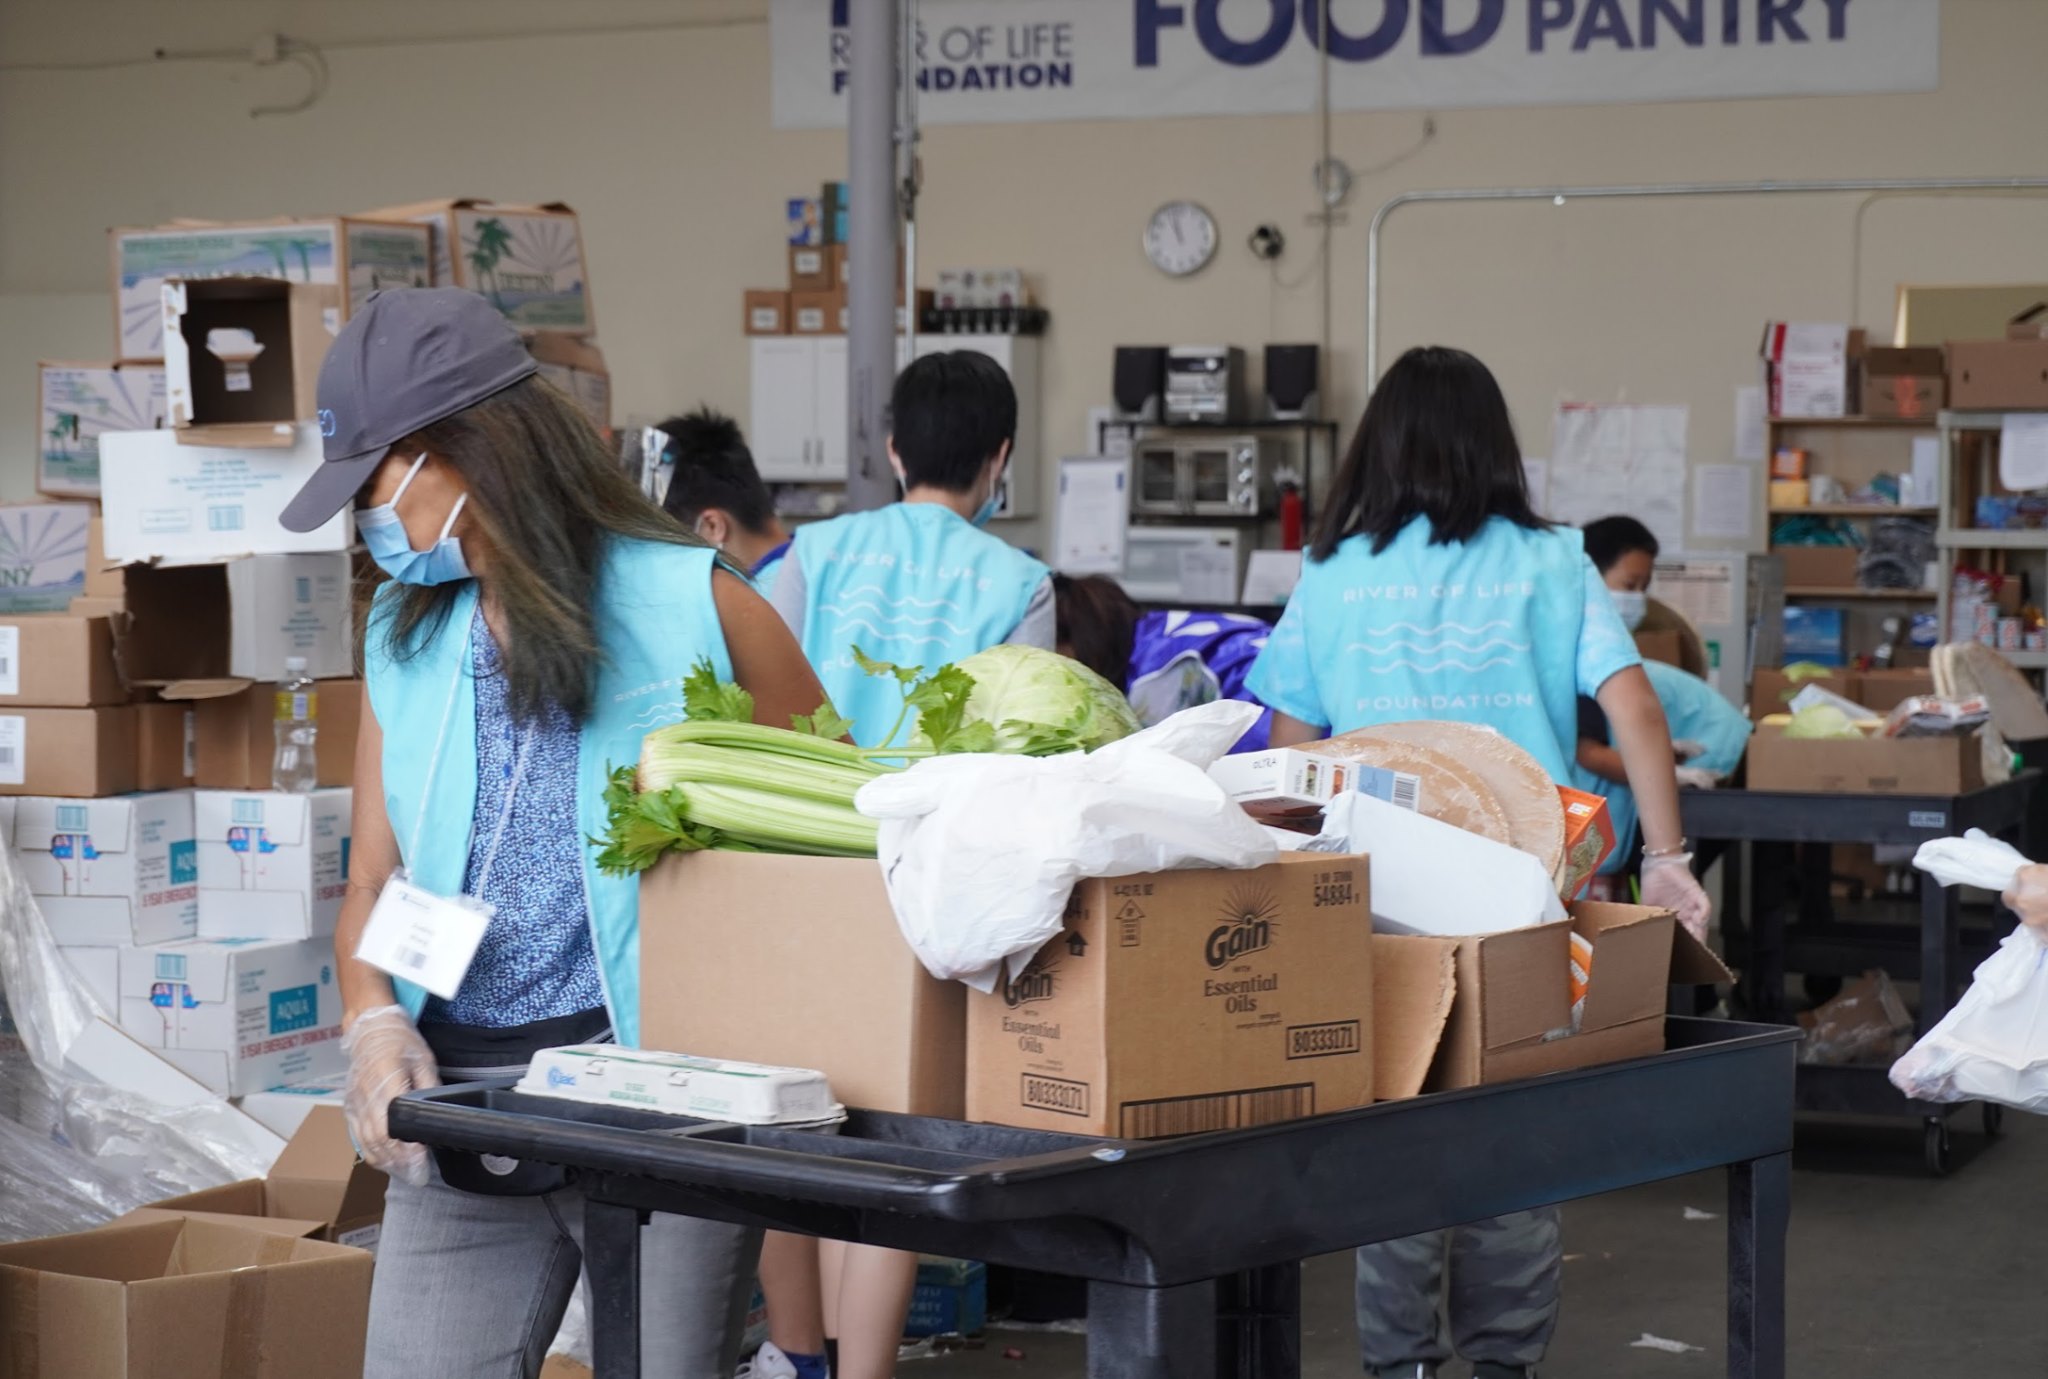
(1434,591)
(539,617)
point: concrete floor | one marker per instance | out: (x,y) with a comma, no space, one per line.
(1892,1273)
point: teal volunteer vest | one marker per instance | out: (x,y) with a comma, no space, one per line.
(915,584)
(655,619)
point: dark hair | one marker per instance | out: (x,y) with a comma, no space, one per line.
(1099,621)
(714,469)
(1436,442)
(548,497)
(1611,538)
(949,414)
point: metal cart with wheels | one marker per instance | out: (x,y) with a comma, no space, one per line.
(1191,1247)
(1765,947)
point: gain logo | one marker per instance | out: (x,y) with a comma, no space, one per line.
(1248,923)
(1033,985)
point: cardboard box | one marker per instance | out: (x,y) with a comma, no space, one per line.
(1665,646)
(167,501)
(165,746)
(1789,463)
(1993,375)
(2031,324)
(284,1109)
(58,661)
(811,268)
(239,1015)
(1872,766)
(271,865)
(104,1052)
(818,924)
(42,556)
(767,311)
(1806,368)
(355,256)
(903,326)
(1514,995)
(1903,382)
(951,1299)
(1185,1002)
(78,403)
(1790,493)
(1414,984)
(242,358)
(235,732)
(1819,567)
(842,269)
(1771,690)
(805,227)
(1881,691)
(816,313)
(317,1179)
(577,368)
(111,872)
(98,970)
(74,753)
(240,619)
(528,260)
(190,1298)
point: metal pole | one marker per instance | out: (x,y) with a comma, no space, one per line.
(1560,195)
(871,250)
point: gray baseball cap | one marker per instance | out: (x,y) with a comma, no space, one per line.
(409,357)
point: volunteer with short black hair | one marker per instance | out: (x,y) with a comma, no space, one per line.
(538,618)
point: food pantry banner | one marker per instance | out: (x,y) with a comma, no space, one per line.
(985,61)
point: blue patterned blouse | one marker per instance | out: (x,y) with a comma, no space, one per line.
(535,962)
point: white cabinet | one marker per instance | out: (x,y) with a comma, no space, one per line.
(798,427)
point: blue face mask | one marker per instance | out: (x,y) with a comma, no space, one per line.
(384,535)
(987,511)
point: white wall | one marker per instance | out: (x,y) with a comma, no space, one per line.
(661,139)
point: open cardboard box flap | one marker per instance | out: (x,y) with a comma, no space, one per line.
(252,1220)
(317,1178)
(1414,981)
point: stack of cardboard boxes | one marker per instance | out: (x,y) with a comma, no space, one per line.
(814,302)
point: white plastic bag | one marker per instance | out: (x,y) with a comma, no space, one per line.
(1994,1045)
(980,853)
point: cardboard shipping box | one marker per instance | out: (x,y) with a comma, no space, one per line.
(812,268)
(1995,375)
(76,753)
(1771,690)
(240,619)
(167,501)
(186,1298)
(111,872)
(235,733)
(1665,646)
(1185,1002)
(766,311)
(576,367)
(1818,567)
(239,1015)
(357,256)
(242,357)
(317,1179)
(904,324)
(1512,1016)
(895,1040)
(165,746)
(78,403)
(527,260)
(1872,766)
(1903,382)
(1881,691)
(58,662)
(816,313)
(43,550)
(271,865)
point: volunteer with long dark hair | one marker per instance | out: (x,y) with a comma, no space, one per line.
(1435,591)
(539,619)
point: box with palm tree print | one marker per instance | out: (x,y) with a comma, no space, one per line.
(360,255)
(528,260)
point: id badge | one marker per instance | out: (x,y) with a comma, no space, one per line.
(424,938)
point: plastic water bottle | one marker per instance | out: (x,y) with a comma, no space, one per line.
(295,769)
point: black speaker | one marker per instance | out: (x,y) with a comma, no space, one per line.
(1140,383)
(1291,382)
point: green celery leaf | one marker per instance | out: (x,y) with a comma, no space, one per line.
(905,675)
(707,699)
(826,722)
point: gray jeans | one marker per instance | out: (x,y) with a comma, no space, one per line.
(1502,1295)
(473,1287)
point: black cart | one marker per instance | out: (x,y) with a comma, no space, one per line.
(1760,940)
(1191,1247)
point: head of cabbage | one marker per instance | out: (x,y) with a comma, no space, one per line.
(1041,703)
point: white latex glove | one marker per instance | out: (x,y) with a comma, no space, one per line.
(386,1057)
(1697,778)
(1686,751)
(1668,884)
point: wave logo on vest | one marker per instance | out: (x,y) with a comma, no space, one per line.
(1250,917)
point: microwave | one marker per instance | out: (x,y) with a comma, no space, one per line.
(1198,566)
(1202,476)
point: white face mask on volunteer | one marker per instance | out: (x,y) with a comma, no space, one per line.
(1632,604)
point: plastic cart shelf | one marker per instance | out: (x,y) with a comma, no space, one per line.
(1765,947)
(1191,1247)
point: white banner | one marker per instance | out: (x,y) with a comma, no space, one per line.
(989,61)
